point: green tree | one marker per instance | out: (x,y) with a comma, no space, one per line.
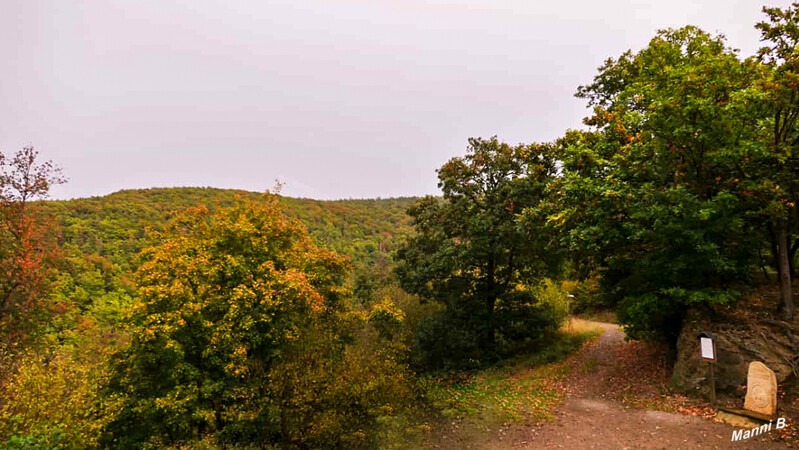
(777,184)
(469,252)
(651,197)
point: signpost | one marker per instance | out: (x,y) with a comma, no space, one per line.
(569,298)
(707,348)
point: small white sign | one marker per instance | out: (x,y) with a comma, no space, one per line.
(707,348)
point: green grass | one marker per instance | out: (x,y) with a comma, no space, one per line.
(522,389)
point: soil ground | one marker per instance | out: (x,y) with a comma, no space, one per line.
(603,410)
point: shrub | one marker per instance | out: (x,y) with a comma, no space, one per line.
(444,342)
(554,299)
(53,400)
(523,319)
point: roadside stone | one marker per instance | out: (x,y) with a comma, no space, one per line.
(761,389)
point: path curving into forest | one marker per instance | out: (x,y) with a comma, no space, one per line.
(592,417)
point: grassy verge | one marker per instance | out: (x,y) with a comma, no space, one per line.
(523,389)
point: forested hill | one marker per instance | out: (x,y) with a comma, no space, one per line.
(114,226)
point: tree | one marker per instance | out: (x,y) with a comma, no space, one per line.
(220,300)
(779,163)
(27,241)
(652,195)
(469,252)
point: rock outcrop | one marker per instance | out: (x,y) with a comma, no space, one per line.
(741,338)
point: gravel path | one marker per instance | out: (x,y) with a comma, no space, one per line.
(589,419)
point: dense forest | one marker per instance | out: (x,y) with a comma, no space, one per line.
(89,280)
(208,318)
(115,226)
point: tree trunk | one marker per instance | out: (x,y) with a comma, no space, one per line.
(786,291)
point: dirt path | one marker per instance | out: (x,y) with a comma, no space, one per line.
(593,418)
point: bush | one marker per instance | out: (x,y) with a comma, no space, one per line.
(37,438)
(359,396)
(658,317)
(444,342)
(553,298)
(53,400)
(587,295)
(523,319)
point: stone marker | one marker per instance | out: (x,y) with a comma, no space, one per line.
(761,389)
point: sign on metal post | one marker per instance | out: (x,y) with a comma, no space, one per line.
(569,298)
(707,346)
(707,350)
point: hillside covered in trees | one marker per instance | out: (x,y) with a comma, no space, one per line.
(115,226)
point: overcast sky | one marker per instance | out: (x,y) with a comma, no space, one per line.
(337,99)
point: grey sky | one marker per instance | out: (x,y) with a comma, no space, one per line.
(338,99)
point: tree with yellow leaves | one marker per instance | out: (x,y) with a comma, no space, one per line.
(221,301)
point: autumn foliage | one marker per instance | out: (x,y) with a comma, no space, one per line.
(27,242)
(209,318)
(239,335)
